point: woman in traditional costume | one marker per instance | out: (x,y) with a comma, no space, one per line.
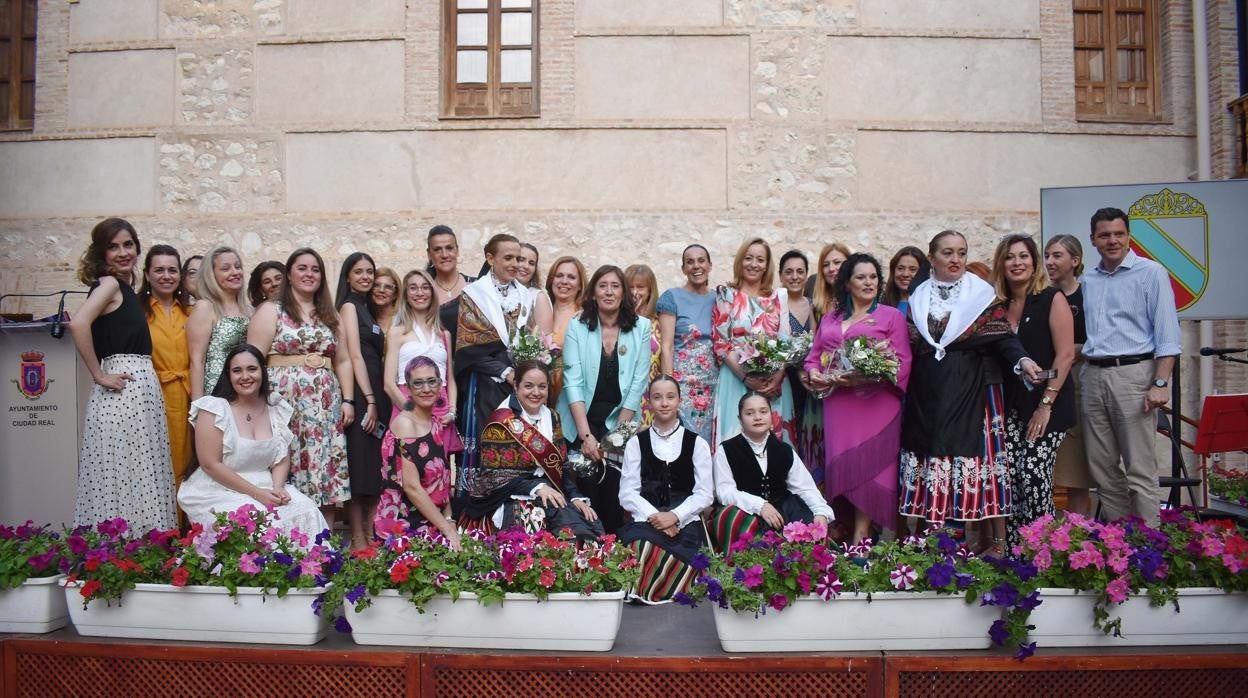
(665,483)
(760,481)
(521,478)
(954,463)
(492,310)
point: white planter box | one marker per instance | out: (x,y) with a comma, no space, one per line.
(1206,616)
(894,620)
(37,606)
(565,621)
(202,613)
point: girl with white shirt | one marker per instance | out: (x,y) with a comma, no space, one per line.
(417,331)
(665,483)
(521,477)
(760,481)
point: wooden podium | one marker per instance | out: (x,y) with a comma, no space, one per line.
(44,390)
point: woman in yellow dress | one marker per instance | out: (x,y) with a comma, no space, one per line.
(164,304)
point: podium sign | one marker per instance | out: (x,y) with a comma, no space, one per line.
(42,393)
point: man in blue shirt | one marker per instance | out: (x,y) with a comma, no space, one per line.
(1133,339)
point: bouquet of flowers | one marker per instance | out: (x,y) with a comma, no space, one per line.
(241,548)
(535,346)
(764,354)
(29,551)
(772,571)
(419,564)
(873,359)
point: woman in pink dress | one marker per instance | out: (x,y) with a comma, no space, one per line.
(862,451)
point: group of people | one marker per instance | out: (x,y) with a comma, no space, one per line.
(410,397)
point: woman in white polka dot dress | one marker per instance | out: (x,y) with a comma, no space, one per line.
(124,463)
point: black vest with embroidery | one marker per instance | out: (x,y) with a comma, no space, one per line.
(666,484)
(747,473)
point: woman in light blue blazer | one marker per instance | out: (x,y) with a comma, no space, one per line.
(606,364)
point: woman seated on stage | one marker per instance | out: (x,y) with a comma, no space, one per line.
(417,480)
(666,482)
(520,478)
(242,442)
(760,480)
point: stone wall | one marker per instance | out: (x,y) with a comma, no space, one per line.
(273,124)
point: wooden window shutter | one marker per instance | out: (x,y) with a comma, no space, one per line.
(17,64)
(1116,59)
(489,58)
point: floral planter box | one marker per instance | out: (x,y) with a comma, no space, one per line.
(37,606)
(1206,616)
(203,613)
(1227,506)
(564,621)
(889,621)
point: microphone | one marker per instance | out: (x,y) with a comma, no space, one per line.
(58,327)
(1210,351)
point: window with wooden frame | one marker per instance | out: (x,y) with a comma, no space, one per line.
(1117,47)
(17,64)
(489,58)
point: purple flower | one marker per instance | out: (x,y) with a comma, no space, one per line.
(940,574)
(113,527)
(998,633)
(341,624)
(1025,649)
(39,562)
(700,562)
(355,594)
(283,559)
(684,599)
(778,601)
(714,590)
(752,577)
(1005,594)
(77,544)
(945,543)
(323,536)
(963,579)
(1029,602)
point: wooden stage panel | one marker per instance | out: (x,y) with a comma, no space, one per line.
(601,677)
(110,669)
(1071,673)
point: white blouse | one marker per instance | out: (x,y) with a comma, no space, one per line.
(667,449)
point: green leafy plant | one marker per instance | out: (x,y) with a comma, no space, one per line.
(1231,485)
(29,552)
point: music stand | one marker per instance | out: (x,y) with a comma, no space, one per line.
(1223,425)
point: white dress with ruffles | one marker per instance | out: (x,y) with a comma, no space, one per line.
(202,497)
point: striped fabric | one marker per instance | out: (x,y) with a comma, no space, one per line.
(663,575)
(1130,310)
(465,523)
(732,523)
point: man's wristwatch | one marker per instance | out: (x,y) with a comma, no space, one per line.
(1160,383)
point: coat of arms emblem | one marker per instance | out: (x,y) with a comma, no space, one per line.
(1172,228)
(34,375)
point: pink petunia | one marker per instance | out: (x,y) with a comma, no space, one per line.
(829,586)
(247,563)
(753,577)
(1118,589)
(1087,555)
(903,578)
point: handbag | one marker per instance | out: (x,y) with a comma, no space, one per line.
(449,439)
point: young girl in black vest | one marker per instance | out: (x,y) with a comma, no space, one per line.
(760,481)
(665,483)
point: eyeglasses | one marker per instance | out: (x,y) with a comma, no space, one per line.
(423,384)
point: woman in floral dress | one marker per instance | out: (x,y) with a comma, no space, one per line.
(749,305)
(309,371)
(685,338)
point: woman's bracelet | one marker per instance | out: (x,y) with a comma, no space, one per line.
(348,401)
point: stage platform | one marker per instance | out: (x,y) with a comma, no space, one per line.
(666,651)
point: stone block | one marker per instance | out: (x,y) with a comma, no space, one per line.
(791,13)
(506,169)
(916,170)
(81,177)
(613,14)
(208,19)
(947,80)
(216,86)
(791,168)
(325,16)
(788,81)
(662,77)
(111,89)
(113,20)
(220,174)
(1013,15)
(342,81)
